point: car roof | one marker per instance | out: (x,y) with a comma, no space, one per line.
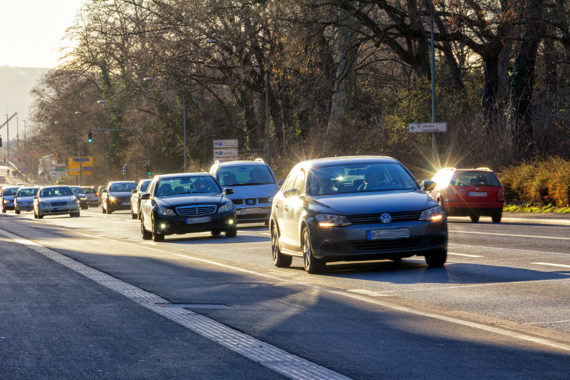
(239,163)
(174,175)
(113,182)
(319,162)
(50,186)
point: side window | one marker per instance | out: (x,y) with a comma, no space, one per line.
(300,182)
(289,181)
(151,188)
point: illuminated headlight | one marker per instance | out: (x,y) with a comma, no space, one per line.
(112,198)
(226,207)
(166,211)
(434,214)
(270,200)
(329,221)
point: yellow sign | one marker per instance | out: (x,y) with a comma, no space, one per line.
(80,165)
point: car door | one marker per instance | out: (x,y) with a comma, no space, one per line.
(280,207)
(146,206)
(290,209)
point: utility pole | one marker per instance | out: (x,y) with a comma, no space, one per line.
(185,148)
(433,99)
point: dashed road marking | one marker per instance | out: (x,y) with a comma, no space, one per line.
(553,265)
(265,354)
(463,254)
(511,235)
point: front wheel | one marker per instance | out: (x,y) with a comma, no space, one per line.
(133,215)
(74,214)
(474,218)
(146,235)
(216,233)
(17,211)
(279,259)
(436,258)
(231,233)
(156,236)
(311,263)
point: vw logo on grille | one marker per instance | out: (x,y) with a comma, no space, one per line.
(385,218)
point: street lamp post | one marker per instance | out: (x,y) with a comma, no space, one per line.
(433,95)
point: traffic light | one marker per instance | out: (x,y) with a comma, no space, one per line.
(148,170)
(89,137)
(4,158)
(19,158)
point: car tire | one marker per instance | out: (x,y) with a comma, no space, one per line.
(17,211)
(133,215)
(311,264)
(231,233)
(74,214)
(156,236)
(474,218)
(497,216)
(3,210)
(216,233)
(279,260)
(109,211)
(35,215)
(146,235)
(40,216)
(436,259)
(103,209)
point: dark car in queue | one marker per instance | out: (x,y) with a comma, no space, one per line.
(24,199)
(469,192)
(117,196)
(184,203)
(55,200)
(136,197)
(355,208)
(81,197)
(7,195)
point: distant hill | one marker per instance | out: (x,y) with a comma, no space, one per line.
(15,86)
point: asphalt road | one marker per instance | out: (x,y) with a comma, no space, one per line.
(499,308)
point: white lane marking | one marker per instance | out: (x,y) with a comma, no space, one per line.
(463,254)
(507,249)
(546,323)
(386,304)
(553,265)
(511,235)
(265,354)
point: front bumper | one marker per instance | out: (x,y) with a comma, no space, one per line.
(24,207)
(59,210)
(352,243)
(9,205)
(253,214)
(119,204)
(181,225)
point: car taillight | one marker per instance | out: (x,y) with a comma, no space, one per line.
(96,194)
(500,195)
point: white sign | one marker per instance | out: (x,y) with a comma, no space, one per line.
(225,153)
(427,127)
(225,144)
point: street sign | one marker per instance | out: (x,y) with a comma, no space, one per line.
(226,153)
(427,127)
(222,144)
(78,166)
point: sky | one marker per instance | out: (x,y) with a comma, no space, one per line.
(31,31)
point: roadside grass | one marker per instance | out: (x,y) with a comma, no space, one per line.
(548,209)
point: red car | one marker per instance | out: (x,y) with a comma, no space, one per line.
(469,192)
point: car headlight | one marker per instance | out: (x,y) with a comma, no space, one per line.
(43,204)
(226,207)
(434,214)
(112,198)
(329,221)
(166,211)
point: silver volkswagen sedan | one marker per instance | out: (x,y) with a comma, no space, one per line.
(55,200)
(355,208)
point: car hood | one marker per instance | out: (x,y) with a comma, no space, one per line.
(120,194)
(25,199)
(70,198)
(254,191)
(189,199)
(8,197)
(371,203)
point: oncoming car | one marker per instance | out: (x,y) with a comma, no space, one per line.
(355,208)
(183,203)
(117,196)
(55,200)
(7,195)
(24,200)
(254,185)
(469,192)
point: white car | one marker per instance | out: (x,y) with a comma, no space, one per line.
(24,199)
(55,200)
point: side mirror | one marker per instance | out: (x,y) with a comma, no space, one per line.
(228,191)
(290,193)
(134,191)
(428,185)
(145,196)
(280,182)
(104,190)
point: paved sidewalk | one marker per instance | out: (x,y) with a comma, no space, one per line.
(529,218)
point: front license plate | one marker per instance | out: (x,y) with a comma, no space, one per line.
(126,203)
(477,193)
(246,211)
(203,219)
(388,234)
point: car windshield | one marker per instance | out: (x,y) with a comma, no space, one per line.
(56,192)
(245,175)
(10,191)
(475,178)
(144,186)
(77,191)
(89,191)
(125,187)
(26,192)
(168,187)
(359,177)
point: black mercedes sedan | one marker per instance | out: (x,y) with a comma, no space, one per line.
(355,208)
(183,203)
